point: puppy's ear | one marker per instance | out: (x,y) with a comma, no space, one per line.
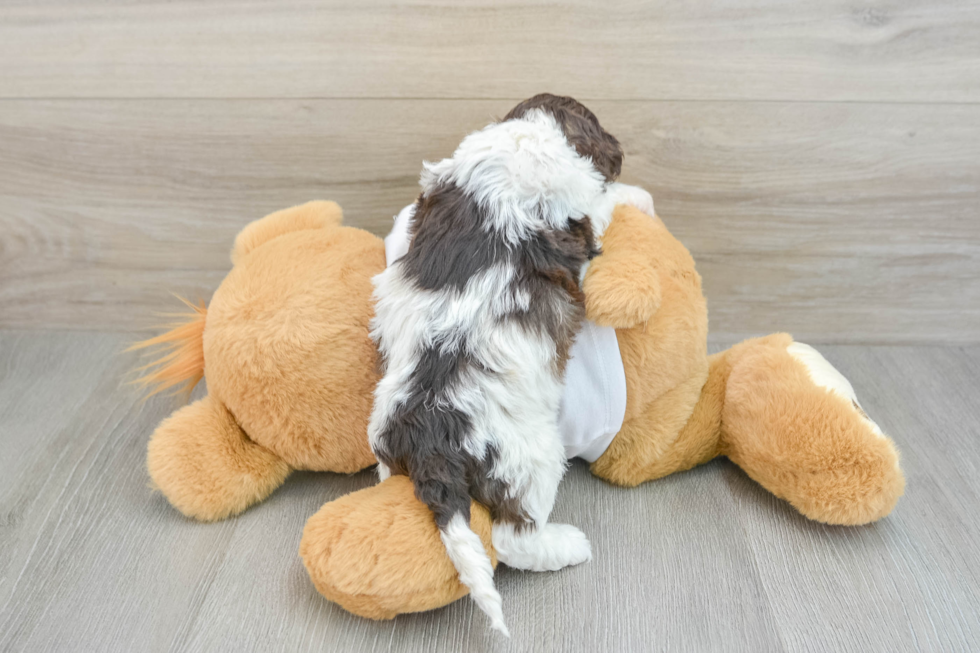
(590,140)
(582,231)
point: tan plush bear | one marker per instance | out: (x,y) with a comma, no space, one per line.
(291,371)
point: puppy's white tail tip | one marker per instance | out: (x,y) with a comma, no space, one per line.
(501,627)
(469,557)
(493,606)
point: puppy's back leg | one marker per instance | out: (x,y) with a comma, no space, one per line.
(534,544)
(540,547)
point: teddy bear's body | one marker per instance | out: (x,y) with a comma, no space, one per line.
(291,371)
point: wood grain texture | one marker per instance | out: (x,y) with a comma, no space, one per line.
(837,222)
(884,50)
(92,559)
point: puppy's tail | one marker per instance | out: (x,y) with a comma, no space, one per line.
(439,484)
(475,569)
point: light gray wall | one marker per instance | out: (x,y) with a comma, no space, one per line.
(821,160)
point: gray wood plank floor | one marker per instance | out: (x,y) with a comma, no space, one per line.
(92,560)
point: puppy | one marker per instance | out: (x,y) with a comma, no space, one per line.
(474,325)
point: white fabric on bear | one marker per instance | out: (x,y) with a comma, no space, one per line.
(593,405)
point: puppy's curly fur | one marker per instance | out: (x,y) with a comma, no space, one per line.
(474,325)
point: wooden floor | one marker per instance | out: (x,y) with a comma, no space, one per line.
(92,560)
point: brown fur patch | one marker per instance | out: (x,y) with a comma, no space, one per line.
(449,243)
(556,258)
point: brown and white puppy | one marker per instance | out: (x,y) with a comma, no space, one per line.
(474,324)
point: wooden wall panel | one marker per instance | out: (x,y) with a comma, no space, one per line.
(836,221)
(881,50)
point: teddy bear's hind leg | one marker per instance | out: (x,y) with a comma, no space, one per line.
(206,466)
(377,552)
(793,423)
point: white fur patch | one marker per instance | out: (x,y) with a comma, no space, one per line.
(400,237)
(617,193)
(523,173)
(829,377)
(549,547)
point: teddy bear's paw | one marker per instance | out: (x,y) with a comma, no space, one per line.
(621,293)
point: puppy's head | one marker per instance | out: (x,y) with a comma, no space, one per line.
(581,128)
(546,163)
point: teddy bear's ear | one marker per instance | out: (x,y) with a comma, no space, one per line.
(312,215)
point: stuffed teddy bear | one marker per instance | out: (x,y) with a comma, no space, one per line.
(291,370)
